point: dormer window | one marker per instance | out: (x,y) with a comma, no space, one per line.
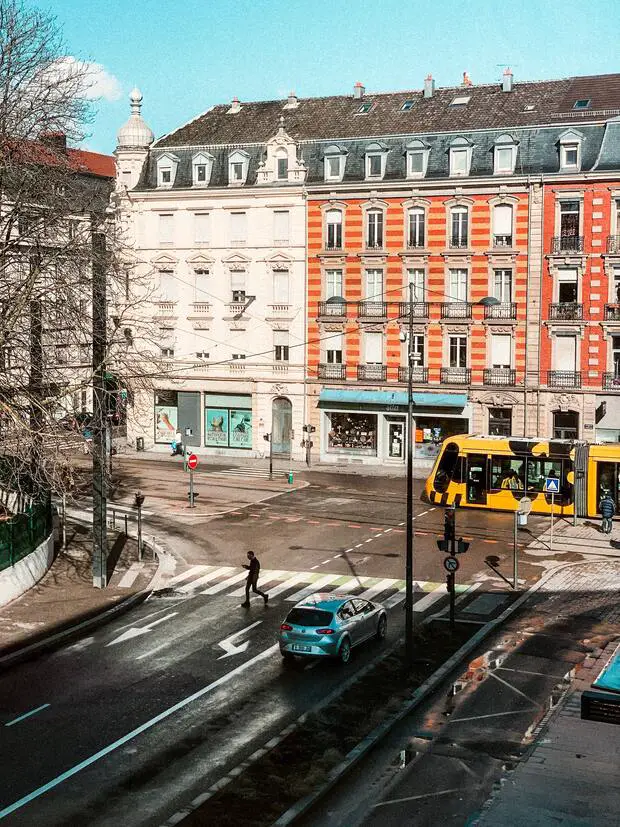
(376,156)
(202,165)
(460,157)
(505,155)
(334,162)
(417,159)
(282,166)
(570,152)
(238,167)
(166,170)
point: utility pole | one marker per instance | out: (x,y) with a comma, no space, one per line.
(100,537)
(409,542)
(35,379)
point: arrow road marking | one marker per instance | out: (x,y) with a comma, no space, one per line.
(136,631)
(231,648)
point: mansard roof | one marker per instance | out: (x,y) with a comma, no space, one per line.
(335,118)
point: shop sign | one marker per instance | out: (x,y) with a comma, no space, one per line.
(217,427)
(240,429)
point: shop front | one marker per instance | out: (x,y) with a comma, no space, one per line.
(228,421)
(371,426)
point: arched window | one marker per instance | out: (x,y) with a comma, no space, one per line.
(374,229)
(282,165)
(459,227)
(333,230)
(502,225)
(416,220)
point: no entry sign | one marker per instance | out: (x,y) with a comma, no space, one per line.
(192,462)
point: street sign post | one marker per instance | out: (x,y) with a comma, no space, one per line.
(192,462)
(451,564)
(552,486)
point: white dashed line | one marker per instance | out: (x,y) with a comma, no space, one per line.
(369,540)
(387,530)
(358,545)
(314,567)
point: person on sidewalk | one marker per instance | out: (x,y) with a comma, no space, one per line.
(252,580)
(607,507)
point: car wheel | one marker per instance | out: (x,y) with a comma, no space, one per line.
(344,653)
(382,627)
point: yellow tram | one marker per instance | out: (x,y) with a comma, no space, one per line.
(496,472)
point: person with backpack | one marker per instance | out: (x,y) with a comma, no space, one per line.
(252,580)
(607,507)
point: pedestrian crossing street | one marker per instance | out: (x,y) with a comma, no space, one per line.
(258,473)
(293,586)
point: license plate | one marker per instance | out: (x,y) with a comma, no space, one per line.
(297,647)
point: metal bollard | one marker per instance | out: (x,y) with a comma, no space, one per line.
(126,532)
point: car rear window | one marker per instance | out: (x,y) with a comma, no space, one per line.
(309,617)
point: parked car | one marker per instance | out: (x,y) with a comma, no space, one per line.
(330,625)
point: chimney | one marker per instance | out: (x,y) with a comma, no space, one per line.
(235,106)
(358,90)
(466,80)
(292,102)
(429,86)
(507,80)
(56,141)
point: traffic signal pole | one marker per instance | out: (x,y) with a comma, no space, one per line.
(409,526)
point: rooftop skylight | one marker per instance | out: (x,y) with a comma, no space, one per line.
(582,103)
(364,108)
(461,100)
(407,105)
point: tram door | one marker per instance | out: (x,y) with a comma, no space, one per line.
(477,479)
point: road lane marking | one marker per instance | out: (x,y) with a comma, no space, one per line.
(231,581)
(270,577)
(381,586)
(300,577)
(313,587)
(153,651)
(130,575)
(358,545)
(314,567)
(212,575)
(325,561)
(416,797)
(230,648)
(351,585)
(136,631)
(184,575)
(55,782)
(430,598)
(353,525)
(26,715)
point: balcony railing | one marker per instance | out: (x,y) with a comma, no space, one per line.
(567,244)
(455,310)
(566,311)
(415,243)
(420,310)
(374,245)
(333,245)
(455,376)
(611,381)
(332,370)
(505,310)
(502,241)
(372,310)
(418,374)
(500,376)
(564,378)
(612,312)
(458,243)
(372,373)
(333,309)
(613,244)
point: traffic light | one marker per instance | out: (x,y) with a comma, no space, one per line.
(461,546)
(449,523)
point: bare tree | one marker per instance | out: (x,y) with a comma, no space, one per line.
(51,203)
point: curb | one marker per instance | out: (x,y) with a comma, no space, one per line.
(358,752)
(99,618)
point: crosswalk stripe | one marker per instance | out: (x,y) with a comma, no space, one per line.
(185,575)
(400,595)
(271,577)
(212,575)
(381,586)
(130,575)
(299,577)
(231,581)
(352,584)
(430,598)
(326,580)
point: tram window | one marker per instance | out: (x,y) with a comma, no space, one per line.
(507,472)
(447,467)
(608,480)
(539,469)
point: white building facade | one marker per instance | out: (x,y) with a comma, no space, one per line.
(218,228)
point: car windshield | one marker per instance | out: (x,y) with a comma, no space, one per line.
(309,617)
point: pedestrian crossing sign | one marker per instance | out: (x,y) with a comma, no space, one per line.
(552,485)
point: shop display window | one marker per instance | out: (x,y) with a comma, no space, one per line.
(430,432)
(352,432)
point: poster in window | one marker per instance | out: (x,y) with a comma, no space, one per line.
(217,427)
(240,429)
(165,423)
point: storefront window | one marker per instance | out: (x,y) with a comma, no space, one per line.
(430,432)
(228,422)
(352,433)
(166,416)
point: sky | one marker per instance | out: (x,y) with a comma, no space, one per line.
(188,55)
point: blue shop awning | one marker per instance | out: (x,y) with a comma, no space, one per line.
(386,399)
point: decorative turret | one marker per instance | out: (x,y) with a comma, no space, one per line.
(134,139)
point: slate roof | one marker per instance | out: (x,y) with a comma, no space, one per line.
(333,118)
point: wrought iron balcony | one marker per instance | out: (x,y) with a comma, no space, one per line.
(333,309)
(418,374)
(332,370)
(458,243)
(372,373)
(612,312)
(372,310)
(333,245)
(611,381)
(456,310)
(567,244)
(455,376)
(420,310)
(505,310)
(502,241)
(500,376)
(613,244)
(374,245)
(415,243)
(565,311)
(564,378)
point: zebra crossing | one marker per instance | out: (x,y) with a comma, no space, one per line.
(257,473)
(293,586)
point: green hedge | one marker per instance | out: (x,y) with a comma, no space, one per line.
(21,535)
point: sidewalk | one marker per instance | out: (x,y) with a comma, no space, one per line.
(65,598)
